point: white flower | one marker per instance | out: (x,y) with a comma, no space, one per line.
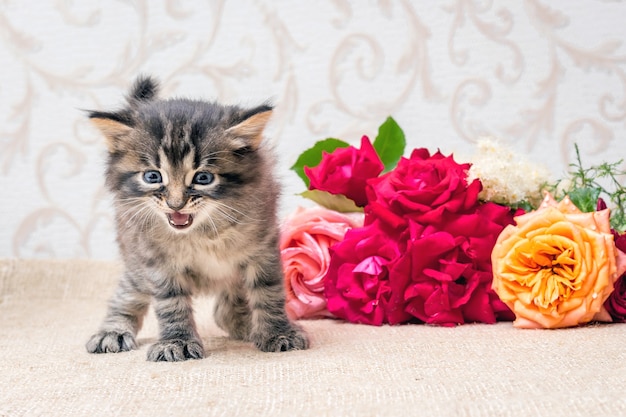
(506,177)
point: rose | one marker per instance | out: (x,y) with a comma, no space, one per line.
(346,170)
(436,273)
(557,266)
(615,305)
(482,228)
(450,268)
(357,287)
(449,243)
(422,188)
(306,238)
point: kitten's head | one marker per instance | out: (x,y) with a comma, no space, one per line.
(184,163)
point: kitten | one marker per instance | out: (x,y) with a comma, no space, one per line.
(195,210)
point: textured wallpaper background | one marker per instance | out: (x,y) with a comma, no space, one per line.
(540,75)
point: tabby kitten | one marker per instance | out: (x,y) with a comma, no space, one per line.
(195,210)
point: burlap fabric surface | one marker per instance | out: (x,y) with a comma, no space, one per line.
(48,309)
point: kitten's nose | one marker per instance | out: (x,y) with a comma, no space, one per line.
(176,205)
(176,196)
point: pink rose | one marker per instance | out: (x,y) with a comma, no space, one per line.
(306,238)
(358,288)
(422,188)
(346,170)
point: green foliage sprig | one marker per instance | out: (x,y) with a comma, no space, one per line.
(586,186)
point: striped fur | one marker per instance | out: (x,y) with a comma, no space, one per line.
(195,209)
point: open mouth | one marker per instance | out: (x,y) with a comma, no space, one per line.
(179,221)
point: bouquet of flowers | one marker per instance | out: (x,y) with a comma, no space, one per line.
(426,239)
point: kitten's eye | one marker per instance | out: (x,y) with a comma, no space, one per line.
(203,178)
(152,177)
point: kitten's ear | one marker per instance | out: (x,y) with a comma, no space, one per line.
(116,127)
(251,126)
(144,89)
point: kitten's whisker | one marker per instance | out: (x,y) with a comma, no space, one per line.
(227,216)
(214,156)
(241,213)
(213,208)
(130,202)
(231,213)
(140,213)
(208,216)
(130,206)
(218,159)
(209,155)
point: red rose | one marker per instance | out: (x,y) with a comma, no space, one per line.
(442,278)
(357,286)
(616,303)
(425,251)
(422,188)
(450,268)
(346,171)
(482,228)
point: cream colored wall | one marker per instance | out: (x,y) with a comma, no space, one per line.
(538,74)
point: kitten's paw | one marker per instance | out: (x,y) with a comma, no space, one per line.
(292,339)
(175,350)
(111,342)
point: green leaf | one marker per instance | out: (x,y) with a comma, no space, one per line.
(390,143)
(337,202)
(313,156)
(524,205)
(585,198)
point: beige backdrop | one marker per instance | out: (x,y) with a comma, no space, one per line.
(540,75)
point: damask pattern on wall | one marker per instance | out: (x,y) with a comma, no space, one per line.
(539,75)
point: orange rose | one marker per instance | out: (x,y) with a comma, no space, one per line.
(557,266)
